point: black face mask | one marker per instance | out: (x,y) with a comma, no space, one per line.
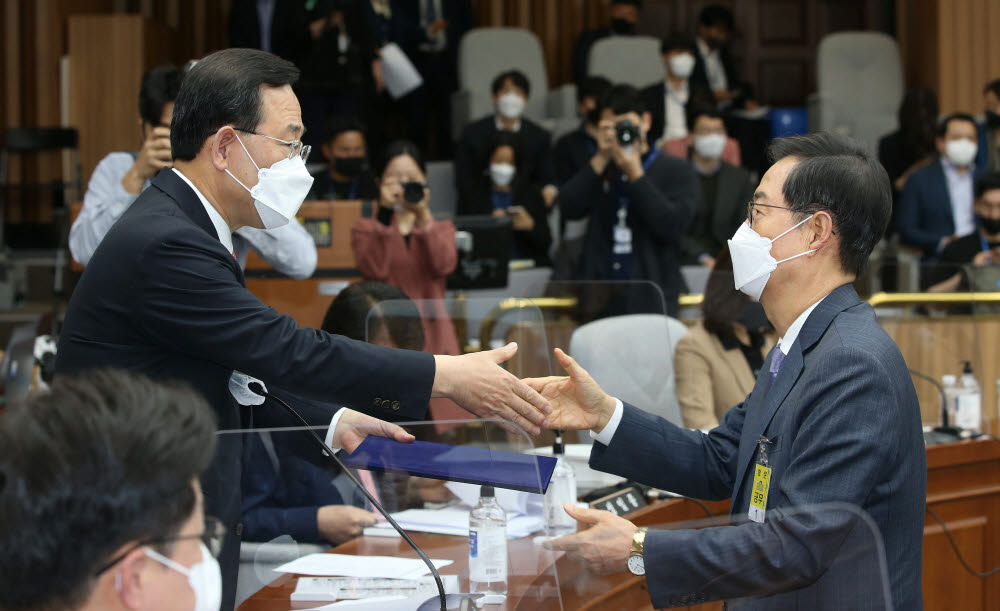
(349,166)
(992,120)
(991,226)
(622,27)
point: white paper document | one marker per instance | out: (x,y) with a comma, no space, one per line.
(455,521)
(398,72)
(359,566)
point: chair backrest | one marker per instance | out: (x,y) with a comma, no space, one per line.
(851,62)
(632,60)
(486,52)
(632,358)
(444,196)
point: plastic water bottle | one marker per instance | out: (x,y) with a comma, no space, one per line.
(488,547)
(968,408)
(950,384)
(562,490)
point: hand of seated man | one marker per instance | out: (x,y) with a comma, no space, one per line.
(603,547)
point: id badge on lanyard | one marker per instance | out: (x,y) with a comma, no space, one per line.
(622,234)
(761,483)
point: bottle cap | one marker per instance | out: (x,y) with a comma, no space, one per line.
(486,491)
(948,379)
(967,368)
(557,446)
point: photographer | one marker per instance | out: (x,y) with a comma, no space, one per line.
(639,201)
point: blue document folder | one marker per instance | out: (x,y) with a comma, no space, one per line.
(496,468)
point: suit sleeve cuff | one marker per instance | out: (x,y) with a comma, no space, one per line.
(333,427)
(609,429)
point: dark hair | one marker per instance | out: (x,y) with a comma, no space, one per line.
(356,308)
(592,86)
(102,460)
(159,86)
(993,86)
(716,14)
(635,3)
(516,77)
(503,138)
(987,182)
(397,148)
(955,116)
(622,99)
(224,89)
(699,110)
(339,124)
(675,41)
(838,175)
(918,124)
(723,304)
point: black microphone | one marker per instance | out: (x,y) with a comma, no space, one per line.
(945,428)
(258,388)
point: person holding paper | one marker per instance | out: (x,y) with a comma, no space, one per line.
(164,294)
(832,418)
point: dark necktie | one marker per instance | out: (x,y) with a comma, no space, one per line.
(776,359)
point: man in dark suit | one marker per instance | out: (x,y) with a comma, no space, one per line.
(668,100)
(725,189)
(510,95)
(829,438)
(714,67)
(270,25)
(936,204)
(623,20)
(639,203)
(164,295)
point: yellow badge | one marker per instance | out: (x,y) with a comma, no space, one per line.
(758,496)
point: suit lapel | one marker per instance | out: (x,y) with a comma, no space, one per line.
(762,409)
(943,195)
(725,196)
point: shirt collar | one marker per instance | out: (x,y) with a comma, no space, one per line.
(221,227)
(786,341)
(499,124)
(682,91)
(704,49)
(951,168)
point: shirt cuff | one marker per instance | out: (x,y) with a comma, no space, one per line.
(609,429)
(333,427)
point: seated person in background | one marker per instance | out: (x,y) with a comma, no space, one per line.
(503,190)
(988,156)
(405,246)
(510,94)
(639,202)
(574,150)
(668,99)
(348,176)
(285,494)
(100,505)
(911,147)
(725,189)
(936,204)
(714,67)
(623,19)
(120,177)
(717,361)
(979,249)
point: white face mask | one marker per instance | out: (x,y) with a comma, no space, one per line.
(710,146)
(510,105)
(752,260)
(280,189)
(501,173)
(682,65)
(961,152)
(205,578)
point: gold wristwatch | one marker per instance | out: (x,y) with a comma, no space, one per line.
(636,564)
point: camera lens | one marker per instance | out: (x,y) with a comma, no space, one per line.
(413,192)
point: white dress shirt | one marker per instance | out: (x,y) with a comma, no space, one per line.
(225,236)
(714,69)
(784,344)
(960,191)
(675,119)
(290,250)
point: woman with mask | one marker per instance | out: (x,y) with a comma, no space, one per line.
(910,147)
(717,361)
(502,189)
(405,246)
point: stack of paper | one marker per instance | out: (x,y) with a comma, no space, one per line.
(453,521)
(360,566)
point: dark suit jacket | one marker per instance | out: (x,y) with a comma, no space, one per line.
(734,190)
(163,296)
(925,212)
(661,206)
(655,104)
(699,77)
(532,244)
(581,51)
(845,425)
(289,30)
(472,155)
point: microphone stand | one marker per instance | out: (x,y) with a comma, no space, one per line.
(258,389)
(953,433)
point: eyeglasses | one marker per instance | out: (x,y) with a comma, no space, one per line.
(295,147)
(213,536)
(751,205)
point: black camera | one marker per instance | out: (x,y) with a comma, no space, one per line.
(413,192)
(627,132)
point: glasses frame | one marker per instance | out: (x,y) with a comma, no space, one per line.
(212,536)
(750,207)
(295,147)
